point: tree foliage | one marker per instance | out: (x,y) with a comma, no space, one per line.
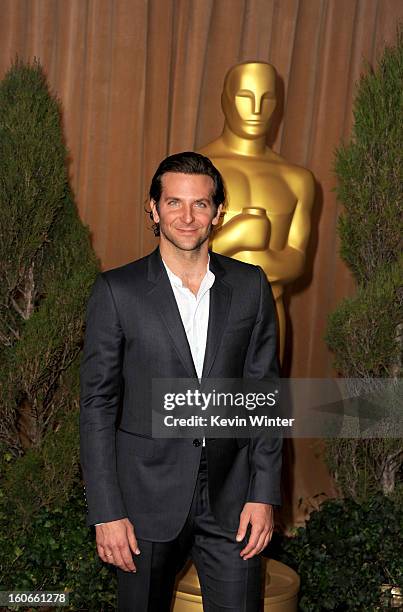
(365,332)
(346,552)
(47,267)
(370,171)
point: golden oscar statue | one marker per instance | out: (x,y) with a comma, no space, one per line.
(269,200)
(267,222)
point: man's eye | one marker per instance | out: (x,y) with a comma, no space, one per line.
(172,202)
(200,204)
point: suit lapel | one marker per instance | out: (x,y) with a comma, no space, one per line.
(163,298)
(220,300)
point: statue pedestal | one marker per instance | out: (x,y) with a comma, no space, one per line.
(280,593)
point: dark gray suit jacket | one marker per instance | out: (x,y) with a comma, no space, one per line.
(134,333)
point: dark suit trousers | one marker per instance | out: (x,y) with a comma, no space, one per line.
(228,583)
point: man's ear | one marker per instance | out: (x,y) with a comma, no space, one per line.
(217,215)
(153,206)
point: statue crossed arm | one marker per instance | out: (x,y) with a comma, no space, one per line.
(249,231)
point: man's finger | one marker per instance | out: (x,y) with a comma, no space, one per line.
(258,548)
(117,555)
(108,556)
(252,546)
(102,554)
(253,539)
(120,561)
(243,525)
(268,538)
(127,559)
(132,539)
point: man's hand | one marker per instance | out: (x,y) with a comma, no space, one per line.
(260,516)
(115,541)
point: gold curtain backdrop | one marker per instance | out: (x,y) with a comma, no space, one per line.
(140,79)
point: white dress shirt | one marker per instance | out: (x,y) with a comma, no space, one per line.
(194,311)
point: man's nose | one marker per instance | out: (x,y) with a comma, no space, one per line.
(187,213)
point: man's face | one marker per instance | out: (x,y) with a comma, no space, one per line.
(249,100)
(186,211)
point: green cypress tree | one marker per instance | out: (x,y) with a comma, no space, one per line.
(47,267)
(365,332)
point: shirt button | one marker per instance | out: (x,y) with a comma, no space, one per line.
(196,442)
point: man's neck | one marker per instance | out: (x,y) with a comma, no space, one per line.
(190,266)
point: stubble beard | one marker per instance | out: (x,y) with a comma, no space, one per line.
(181,247)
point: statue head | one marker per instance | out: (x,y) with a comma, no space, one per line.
(249,98)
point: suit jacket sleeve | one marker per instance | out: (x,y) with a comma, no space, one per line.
(100,386)
(261,363)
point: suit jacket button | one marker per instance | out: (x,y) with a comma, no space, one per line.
(196,442)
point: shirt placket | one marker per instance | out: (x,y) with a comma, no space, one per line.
(194,304)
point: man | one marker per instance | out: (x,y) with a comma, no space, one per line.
(179,312)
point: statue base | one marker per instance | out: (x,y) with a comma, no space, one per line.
(280,591)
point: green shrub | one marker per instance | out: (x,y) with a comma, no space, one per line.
(345,552)
(44,475)
(365,332)
(362,331)
(370,169)
(47,267)
(56,552)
